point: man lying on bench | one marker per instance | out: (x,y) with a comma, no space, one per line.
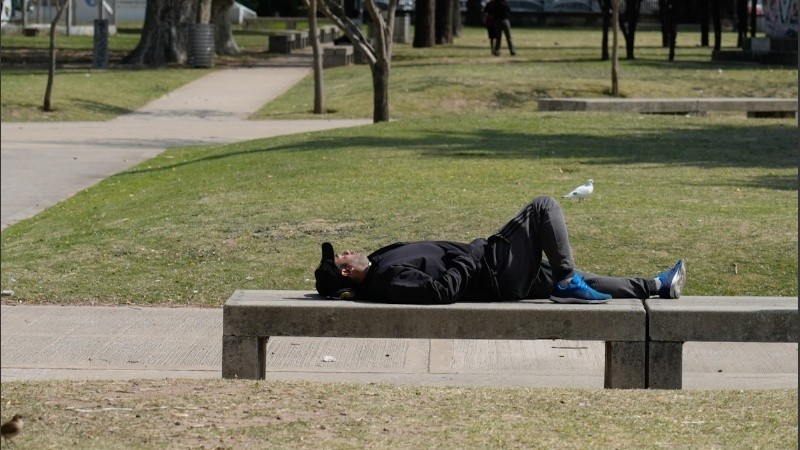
(506,266)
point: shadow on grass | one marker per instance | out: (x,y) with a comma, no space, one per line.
(102,108)
(769,146)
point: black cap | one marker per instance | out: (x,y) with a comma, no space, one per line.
(330,282)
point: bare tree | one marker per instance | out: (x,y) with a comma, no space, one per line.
(377,55)
(319,100)
(224,42)
(51,73)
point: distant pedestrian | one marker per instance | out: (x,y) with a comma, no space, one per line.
(491,29)
(499,11)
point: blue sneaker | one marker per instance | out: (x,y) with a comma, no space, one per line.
(672,281)
(577,292)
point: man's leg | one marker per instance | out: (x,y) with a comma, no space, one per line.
(507,32)
(621,287)
(617,287)
(516,249)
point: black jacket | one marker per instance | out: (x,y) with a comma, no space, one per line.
(498,9)
(430,272)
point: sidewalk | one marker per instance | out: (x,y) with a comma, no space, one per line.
(44,163)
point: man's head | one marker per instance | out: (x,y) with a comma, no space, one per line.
(338,274)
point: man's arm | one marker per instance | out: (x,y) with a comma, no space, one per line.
(413,286)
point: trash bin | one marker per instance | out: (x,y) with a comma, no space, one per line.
(100,60)
(201,45)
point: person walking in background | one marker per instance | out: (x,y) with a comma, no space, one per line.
(491,30)
(499,11)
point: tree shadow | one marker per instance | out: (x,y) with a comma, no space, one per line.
(712,146)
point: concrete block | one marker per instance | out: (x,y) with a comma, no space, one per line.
(281,43)
(670,105)
(723,319)
(337,55)
(243,357)
(760,45)
(300,39)
(625,365)
(664,365)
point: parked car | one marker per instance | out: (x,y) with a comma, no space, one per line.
(403,6)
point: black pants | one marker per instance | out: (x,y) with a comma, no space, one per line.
(515,252)
(503,28)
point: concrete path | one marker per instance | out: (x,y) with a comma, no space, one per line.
(43,164)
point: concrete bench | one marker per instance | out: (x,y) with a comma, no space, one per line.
(251,317)
(670,323)
(754,107)
(300,39)
(281,42)
(337,55)
(328,33)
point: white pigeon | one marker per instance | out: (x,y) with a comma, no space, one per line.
(582,191)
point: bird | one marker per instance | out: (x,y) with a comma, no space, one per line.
(12,428)
(582,191)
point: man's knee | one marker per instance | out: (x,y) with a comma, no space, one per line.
(545,201)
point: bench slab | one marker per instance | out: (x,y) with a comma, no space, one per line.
(251,317)
(300,313)
(753,106)
(711,319)
(723,319)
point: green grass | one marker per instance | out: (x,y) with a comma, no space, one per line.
(465,78)
(194,224)
(469,149)
(86,94)
(452,79)
(251,414)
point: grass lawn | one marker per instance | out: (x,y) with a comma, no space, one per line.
(192,225)
(250,414)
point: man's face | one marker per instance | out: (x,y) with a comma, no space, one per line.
(353,265)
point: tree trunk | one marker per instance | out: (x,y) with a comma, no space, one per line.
(380,86)
(456,18)
(378,55)
(224,43)
(319,100)
(51,73)
(614,53)
(474,16)
(424,30)
(444,22)
(715,17)
(204,11)
(165,33)
(606,11)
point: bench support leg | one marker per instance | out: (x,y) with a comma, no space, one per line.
(664,365)
(244,357)
(625,365)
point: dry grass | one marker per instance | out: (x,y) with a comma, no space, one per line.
(252,414)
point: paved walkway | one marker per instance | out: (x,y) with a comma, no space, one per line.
(43,164)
